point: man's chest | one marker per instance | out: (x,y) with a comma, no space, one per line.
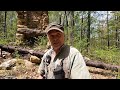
(59,67)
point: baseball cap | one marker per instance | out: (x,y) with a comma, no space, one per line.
(54,26)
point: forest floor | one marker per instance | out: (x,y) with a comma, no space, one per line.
(31,72)
(97,73)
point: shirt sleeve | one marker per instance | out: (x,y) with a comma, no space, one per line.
(41,68)
(79,69)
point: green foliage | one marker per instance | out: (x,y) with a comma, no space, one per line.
(11,27)
(3,41)
(16,54)
(118,75)
(98,39)
(98,48)
(41,42)
(79,44)
(109,56)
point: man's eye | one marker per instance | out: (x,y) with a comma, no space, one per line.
(58,35)
(52,35)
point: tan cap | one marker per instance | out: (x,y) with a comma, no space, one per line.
(54,26)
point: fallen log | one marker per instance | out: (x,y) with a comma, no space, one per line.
(31,32)
(101,71)
(12,49)
(39,54)
(6,48)
(102,65)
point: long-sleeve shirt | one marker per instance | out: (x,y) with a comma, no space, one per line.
(69,59)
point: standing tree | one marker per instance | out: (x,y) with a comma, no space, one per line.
(108,38)
(82,25)
(72,27)
(88,30)
(5,29)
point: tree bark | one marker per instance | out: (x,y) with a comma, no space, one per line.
(5,27)
(101,71)
(72,27)
(88,30)
(12,49)
(116,33)
(33,20)
(66,24)
(108,42)
(30,32)
(82,26)
(102,65)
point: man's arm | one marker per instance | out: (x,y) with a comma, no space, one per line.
(79,69)
(41,70)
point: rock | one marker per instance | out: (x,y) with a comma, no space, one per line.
(28,64)
(23,63)
(25,56)
(18,35)
(35,59)
(21,26)
(31,51)
(8,64)
(8,77)
(6,54)
(1,60)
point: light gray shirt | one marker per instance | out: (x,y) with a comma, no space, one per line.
(70,59)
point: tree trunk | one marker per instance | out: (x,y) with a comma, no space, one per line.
(82,25)
(88,30)
(66,24)
(5,25)
(119,39)
(12,49)
(116,33)
(60,17)
(108,41)
(72,27)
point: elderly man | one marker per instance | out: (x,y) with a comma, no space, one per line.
(61,61)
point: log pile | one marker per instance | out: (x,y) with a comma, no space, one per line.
(30,24)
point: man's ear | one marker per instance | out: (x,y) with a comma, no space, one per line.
(47,37)
(48,44)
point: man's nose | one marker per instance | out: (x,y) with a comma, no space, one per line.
(55,39)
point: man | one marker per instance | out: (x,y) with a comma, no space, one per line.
(61,61)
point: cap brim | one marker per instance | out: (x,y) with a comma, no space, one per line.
(55,28)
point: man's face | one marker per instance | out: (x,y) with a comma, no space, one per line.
(56,39)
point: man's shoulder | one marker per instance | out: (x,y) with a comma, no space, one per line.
(48,52)
(73,50)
